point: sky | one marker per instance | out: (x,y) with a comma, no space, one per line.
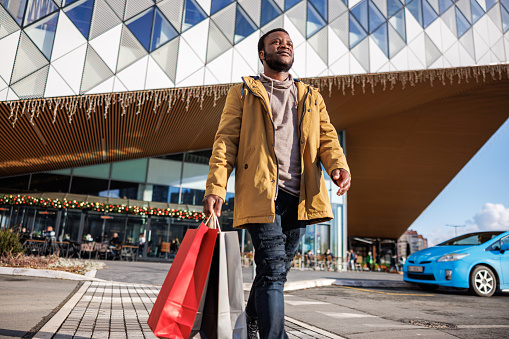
(478,197)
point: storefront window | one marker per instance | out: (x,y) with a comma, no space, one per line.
(44,219)
(100,228)
(158,241)
(136,226)
(70,226)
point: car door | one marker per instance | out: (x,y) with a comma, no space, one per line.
(504,264)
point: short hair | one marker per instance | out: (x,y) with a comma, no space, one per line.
(261,42)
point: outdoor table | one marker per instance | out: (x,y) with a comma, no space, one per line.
(129,251)
(35,246)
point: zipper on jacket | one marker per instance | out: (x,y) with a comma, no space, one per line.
(274,137)
(303,112)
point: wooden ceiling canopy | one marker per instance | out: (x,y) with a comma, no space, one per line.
(408,133)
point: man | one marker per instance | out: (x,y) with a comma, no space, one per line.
(353,257)
(276,132)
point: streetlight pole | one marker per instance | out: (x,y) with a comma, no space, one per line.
(455,228)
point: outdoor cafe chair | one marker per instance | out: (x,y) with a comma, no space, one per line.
(87,247)
(102,251)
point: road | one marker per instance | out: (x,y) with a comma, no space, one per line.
(26,303)
(400,313)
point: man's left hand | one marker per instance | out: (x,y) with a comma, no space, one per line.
(342,179)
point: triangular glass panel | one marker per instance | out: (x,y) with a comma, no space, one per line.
(357,33)
(244,26)
(217,5)
(477,11)
(428,13)
(141,26)
(408,1)
(360,12)
(489,4)
(290,3)
(505,3)
(381,38)
(321,6)
(393,6)
(505,19)
(444,5)
(7,24)
(162,31)
(193,14)
(462,23)
(376,17)
(269,11)
(396,44)
(80,13)
(16,8)
(67,2)
(345,2)
(415,7)
(398,22)
(38,9)
(315,21)
(42,33)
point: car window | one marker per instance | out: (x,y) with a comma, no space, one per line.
(471,239)
(504,240)
(494,247)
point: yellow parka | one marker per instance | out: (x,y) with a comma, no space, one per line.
(245,140)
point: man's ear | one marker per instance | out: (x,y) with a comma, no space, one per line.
(262,55)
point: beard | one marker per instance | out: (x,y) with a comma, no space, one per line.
(276,63)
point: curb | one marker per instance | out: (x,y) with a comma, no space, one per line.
(54,274)
(370,283)
(303,284)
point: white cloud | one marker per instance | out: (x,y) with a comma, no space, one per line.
(492,217)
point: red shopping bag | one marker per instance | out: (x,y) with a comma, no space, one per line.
(178,301)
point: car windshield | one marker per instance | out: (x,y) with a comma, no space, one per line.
(470,239)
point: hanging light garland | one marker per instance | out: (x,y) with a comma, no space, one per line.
(22,200)
(105,102)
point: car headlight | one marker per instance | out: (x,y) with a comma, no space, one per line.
(452,257)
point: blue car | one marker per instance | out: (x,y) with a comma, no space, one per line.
(477,261)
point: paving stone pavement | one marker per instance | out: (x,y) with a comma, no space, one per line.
(112,310)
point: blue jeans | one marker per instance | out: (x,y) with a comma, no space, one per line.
(275,245)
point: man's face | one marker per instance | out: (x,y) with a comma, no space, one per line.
(278,52)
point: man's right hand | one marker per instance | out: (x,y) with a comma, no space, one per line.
(212,203)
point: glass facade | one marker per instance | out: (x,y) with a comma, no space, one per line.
(176,179)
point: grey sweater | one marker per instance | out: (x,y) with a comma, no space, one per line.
(283,104)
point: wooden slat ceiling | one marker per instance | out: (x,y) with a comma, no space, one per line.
(404,144)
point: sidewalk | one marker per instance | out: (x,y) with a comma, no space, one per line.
(113,305)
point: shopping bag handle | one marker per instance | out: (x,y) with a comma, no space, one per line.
(213,222)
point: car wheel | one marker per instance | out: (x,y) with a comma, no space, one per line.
(483,281)
(428,287)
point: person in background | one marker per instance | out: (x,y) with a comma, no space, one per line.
(329,259)
(353,257)
(369,261)
(141,243)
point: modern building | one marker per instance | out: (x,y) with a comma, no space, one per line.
(120,100)
(411,242)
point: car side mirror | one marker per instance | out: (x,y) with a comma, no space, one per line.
(505,247)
